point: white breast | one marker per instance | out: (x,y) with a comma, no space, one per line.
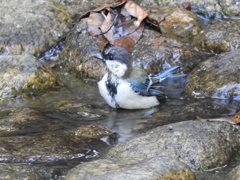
(117,68)
(126,98)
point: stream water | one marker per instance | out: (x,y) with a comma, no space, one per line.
(78,103)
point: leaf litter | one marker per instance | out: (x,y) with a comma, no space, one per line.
(119,24)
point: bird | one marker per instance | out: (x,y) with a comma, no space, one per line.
(127,86)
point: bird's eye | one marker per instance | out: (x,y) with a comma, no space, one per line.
(110,56)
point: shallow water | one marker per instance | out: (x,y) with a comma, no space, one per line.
(79,103)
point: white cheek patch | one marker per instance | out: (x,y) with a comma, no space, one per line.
(116,68)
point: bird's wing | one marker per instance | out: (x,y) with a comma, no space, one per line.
(164,74)
(141,83)
(140,87)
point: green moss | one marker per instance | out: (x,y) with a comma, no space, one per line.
(62,13)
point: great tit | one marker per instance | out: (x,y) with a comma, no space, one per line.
(126,86)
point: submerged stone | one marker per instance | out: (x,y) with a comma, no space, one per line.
(29,172)
(56,146)
(20,121)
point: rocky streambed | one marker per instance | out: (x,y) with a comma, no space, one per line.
(55,125)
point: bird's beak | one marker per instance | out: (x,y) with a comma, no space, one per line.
(99,55)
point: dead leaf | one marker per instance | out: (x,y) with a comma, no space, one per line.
(136,12)
(236,118)
(129,40)
(218,120)
(107,23)
(94,22)
(116,24)
(101,41)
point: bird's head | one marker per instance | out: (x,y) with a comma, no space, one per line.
(117,59)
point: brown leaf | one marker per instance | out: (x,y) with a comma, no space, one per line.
(218,120)
(120,27)
(107,23)
(236,118)
(136,12)
(129,40)
(101,42)
(94,22)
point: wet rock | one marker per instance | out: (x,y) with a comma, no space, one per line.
(82,142)
(152,50)
(34,27)
(28,172)
(76,109)
(230,7)
(177,23)
(217,77)
(235,173)
(24,74)
(201,145)
(219,37)
(22,121)
(76,7)
(77,55)
(152,168)
(155,53)
(31,27)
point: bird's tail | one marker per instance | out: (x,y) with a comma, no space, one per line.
(164,74)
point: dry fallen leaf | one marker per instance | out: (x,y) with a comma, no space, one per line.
(94,21)
(129,40)
(136,12)
(236,118)
(107,23)
(116,24)
(218,120)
